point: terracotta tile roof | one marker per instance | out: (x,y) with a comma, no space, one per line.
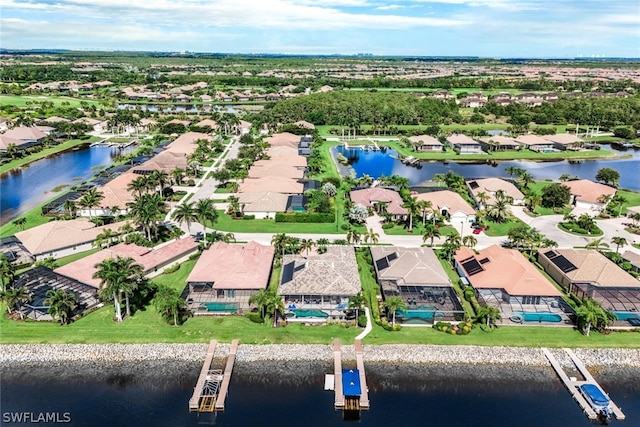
(562,138)
(589,191)
(275,168)
(594,267)
(83,269)
(425,140)
(185,143)
(369,196)
(491,185)
(285,139)
(55,235)
(263,202)
(305,124)
(275,184)
(632,257)
(461,139)
(500,140)
(333,273)
(228,266)
(32,133)
(283,150)
(506,269)
(532,140)
(115,191)
(448,199)
(284,158)
(412,266)
(208,122)
(165,161)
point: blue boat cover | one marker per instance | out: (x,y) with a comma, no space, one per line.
(351,382)
(595,394)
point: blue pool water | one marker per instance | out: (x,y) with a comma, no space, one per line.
(423,312)
(539,316)
(310,313)
(627,315)
(220,306)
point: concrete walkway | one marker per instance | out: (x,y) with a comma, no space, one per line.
(367,328)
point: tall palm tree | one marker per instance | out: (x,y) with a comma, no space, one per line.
(160,179)
(488,315)
(7,272)
(353,236)
(118,276)
(168,302)
(393,304)
(618,241)
(425,206)
(598,244)
(482,197)
(469,241)
(91,199)
(590,314)
(14,298)
(430,232)
(61,304)
(356,302)
(279,242)
(411,205)
(185,213)
(306,245)
(70,207)
(274,305)
(206,213)
(371,235)
(499,211)
(146,210)
(139,185)
(260,299)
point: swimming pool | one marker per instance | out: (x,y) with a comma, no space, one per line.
(309,313)
(425,312)
(540,316)
(627,315)
(219,307)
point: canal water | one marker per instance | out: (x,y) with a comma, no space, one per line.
(379,163)
(25,188)
(283,395)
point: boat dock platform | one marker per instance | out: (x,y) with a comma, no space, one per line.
(212,386)
(572,384)
(349,385)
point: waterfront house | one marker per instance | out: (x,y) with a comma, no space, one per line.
(498,143)
(417,276)
(186,143)
(165,161)
(426,143)
(226,276)
(370,197)
(263,204)
(115,195)
(632,258)
(283,139)
(504,278)
(22,137)
(589,274)
(586,194)
(464,145)
(284,157)
(274,168)
(320,282)
(536,143)
(277,184)
(152,260)
(451,206)
(491,186)
(565,141)
(56,239)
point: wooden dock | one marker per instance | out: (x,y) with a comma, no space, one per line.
(212,386)
(572,384)
(228,369)
(194,402)
(337,374)
(364,397)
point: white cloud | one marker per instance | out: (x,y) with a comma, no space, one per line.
(390,7)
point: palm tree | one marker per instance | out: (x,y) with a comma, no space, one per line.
(168,302)
(106,236)
(424,206)
(439,178)
(619,200)
(139,185)
(279,242)
(306,245)
(260,299)
(353,236)
(70,207)
(91,199)
(564,177)
(274,305)
(185,213)
(14,298)
(618,241)
(159,179)
(469,241)
(356,302)
(597,244)
(146,211)
(118,276)
(20,223)
(61,304)
(590,313)
(411,205)
(482,197)
(7,272)
(430,232)
(206,213)
(511,170)
(526,179)
(499,211)
(392,305)
(177,175)
(488,315)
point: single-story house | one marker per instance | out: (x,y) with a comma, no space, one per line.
(276,184)
(283,139)
(588,273)
(274,168)
(283,151)
(152,260)
(490,186)
(464,145)
(587,194)
(369,197)
(284,158)
(226,276)
(211,124)
(426,143)
(165,161)
(98,125)
(450,205)
(416,275)
(322,282)
(504,278)
(633,258)
(186,143)
(22,137)
(56,239)
(263,204)
(536,143)
(498,143)
(564,141)
(115,195)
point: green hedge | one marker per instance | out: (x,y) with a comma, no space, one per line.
(298,217)
(255,317)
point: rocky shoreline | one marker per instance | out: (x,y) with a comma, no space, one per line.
(105,354)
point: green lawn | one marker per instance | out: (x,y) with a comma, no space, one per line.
(400,230)
(225,223)
(499,229)
(21,101)
(46,152)
(633,199)
(34,218)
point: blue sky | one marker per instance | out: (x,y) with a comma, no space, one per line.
(486,28)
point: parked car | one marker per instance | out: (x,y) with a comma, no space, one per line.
(477,230)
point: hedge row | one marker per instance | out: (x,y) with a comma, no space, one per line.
(305,217)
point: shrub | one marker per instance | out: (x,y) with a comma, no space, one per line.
(248,217)
(255,317)
(175,267)
(387,225)
(362,320)
(312,217)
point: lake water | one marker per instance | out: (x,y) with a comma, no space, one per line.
(284,394)
(23,189)
(379,163)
